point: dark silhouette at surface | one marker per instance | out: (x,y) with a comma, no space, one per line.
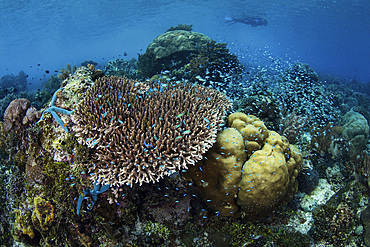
(254,21)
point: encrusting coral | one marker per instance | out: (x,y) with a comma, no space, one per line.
(248,168)
(53,111)
(142,132)
(43,215)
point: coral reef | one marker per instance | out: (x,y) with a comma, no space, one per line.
(322,138)
(157,233)
(185,55)
(265,108)
(87,62)
(42,96)
(4,103)
(96,73)
(249,234)
(122,67)
(75,86)
(358,166)
(64,73)
(127,133)
(170,51)
(335,221)
(299,90)
(18,82)
(293,126)
(52,84)
(365,218)
(153,130)
(214,61)
(23,224)
(34,172)
(184,27)
(248,168)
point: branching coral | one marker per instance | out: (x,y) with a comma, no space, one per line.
(65,72)
(143,132)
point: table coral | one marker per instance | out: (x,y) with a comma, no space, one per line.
(249,168)
(143,132)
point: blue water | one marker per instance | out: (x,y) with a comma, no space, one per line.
(331,36)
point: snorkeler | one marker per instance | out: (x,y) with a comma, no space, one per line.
(254,21)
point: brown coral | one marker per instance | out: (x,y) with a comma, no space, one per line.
(97,73)
(34,172)
(293,126)
(18,113)
(143,132)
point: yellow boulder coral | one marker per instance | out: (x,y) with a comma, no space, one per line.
(251,128)
(249,168)
(218,174)
(268,176)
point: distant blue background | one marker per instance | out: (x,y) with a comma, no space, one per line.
(331,36)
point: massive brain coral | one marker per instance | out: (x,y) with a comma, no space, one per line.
(143,132)
(249,169)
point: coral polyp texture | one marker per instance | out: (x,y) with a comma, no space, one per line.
(143,132)
(19,114)
(249,169)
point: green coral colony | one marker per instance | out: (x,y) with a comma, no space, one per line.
(181,148)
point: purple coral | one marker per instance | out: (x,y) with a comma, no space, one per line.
(18,114)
